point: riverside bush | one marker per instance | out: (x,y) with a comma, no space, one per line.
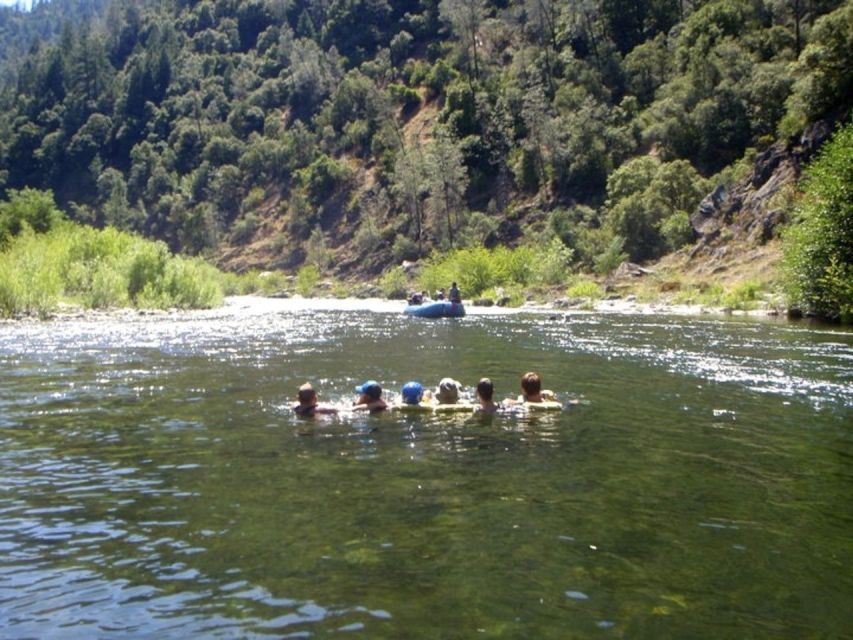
(477,269)
(27,209)
(711,295)
(819,251)
(743,296)
(394,283)
(554,263)
(31,281)
(306,280)
(585,289)
(99,269)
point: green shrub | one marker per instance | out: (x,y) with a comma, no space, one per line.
(477,269)
(273,281)
(553,262)
(404,249)
(306,280)
(31,281)
(317,252)
(585,289)
(99,269)
(10,289)
(27,208)
(394,283)
(440,75)
(611,257)
(676,230)
(367,238)
(404,96)
(242,284)
(415,72)
(244,229)
(191,284)
(743,296)
(147,266)
(323,177)
(685,295)
(253,200)
(517,265)
(711,295)
(818,253)
(107,288)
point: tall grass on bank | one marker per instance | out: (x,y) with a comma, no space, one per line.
(99,269)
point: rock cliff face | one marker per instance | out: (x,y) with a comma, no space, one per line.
(750,210)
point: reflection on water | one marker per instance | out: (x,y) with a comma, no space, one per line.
(155,482)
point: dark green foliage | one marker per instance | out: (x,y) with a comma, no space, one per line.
(161,116)
(407,98)
(631,23)
(323,177)
(648,202)
(27,209)
(819,249)
(824,80)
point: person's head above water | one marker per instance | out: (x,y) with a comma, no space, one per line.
(531,384)
(448,391)
(485,389)
(307,394)
(371,389)
(412,392)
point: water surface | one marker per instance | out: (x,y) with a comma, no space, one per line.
(155,483)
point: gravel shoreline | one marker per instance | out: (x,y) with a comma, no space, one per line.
(239,305)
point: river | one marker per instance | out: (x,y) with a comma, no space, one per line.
(156,484)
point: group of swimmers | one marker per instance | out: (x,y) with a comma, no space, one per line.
(413,394)
(453,295)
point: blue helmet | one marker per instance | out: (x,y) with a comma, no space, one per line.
(412,392)
(371,389)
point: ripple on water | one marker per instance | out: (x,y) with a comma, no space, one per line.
(117,526)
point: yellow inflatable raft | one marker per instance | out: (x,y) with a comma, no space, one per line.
(547,405)
(427,407)
(423,407)
(454,408)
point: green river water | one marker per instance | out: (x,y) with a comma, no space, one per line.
(155,484)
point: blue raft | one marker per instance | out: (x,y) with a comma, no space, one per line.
(436,309)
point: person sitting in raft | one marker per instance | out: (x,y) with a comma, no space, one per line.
(412,393)
(416,298)
(448,391)
(369,397)
(308,406)
(485,391)
(454,294)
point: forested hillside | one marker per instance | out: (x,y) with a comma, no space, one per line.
(21,31)
(353,134)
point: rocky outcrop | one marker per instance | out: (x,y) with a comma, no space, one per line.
(631,270)
(752,208)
